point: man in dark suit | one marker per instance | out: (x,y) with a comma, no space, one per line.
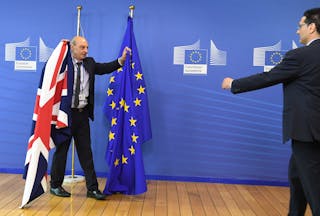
(299,72)
(82,109)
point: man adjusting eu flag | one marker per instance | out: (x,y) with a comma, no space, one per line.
(126,107)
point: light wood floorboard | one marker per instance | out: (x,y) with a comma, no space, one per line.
(162,198)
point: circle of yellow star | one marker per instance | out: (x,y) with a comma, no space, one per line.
(111,136)
(113,105)
(113,121)
(132,121)
(111,80)
(122,102)
(110,92)
(141,89)
(134,138)
(132,150)
(124,160)
(137,102)
(138,76)
(116,162)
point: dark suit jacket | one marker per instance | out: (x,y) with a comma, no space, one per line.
(94,68)
(299,72)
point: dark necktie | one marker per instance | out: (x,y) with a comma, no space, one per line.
(77,91)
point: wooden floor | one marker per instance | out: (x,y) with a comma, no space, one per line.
(162,198)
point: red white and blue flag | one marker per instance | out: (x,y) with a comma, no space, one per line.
(51,119)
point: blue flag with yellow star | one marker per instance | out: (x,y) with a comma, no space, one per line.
(126,107)
(273,58)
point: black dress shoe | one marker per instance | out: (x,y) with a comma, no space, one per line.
(96,194)
(59,191)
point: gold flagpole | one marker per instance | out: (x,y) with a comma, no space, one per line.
(131,7)
(74,178)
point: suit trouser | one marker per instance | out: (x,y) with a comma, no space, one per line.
(80,130)
(304,178)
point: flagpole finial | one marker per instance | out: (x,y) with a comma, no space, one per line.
(131,7)
(79,7)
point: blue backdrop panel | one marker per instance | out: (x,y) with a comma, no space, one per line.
(200,132)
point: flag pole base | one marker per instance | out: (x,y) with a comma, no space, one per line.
(69,179)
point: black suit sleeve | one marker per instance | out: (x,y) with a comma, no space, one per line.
(284,72)
(94,67)
(104,68)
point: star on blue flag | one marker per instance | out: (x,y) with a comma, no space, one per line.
(126,107)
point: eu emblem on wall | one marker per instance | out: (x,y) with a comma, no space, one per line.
(273,57)
(26,58)
(195,62)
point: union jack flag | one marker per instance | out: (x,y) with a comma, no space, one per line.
(51,120)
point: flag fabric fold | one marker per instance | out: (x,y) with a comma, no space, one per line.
(51,114)
(126,108)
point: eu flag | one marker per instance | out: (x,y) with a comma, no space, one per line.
(195,56)
(274,57)
(26,53)
(126,107)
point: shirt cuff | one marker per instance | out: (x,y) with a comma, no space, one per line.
(119,62)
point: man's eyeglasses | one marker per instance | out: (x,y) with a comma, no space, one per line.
(300,25)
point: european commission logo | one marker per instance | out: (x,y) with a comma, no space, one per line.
(273,58)
(25,56)
(195,57)
(269,56)
(195,60)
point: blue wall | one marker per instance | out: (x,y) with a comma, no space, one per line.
(200,132)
